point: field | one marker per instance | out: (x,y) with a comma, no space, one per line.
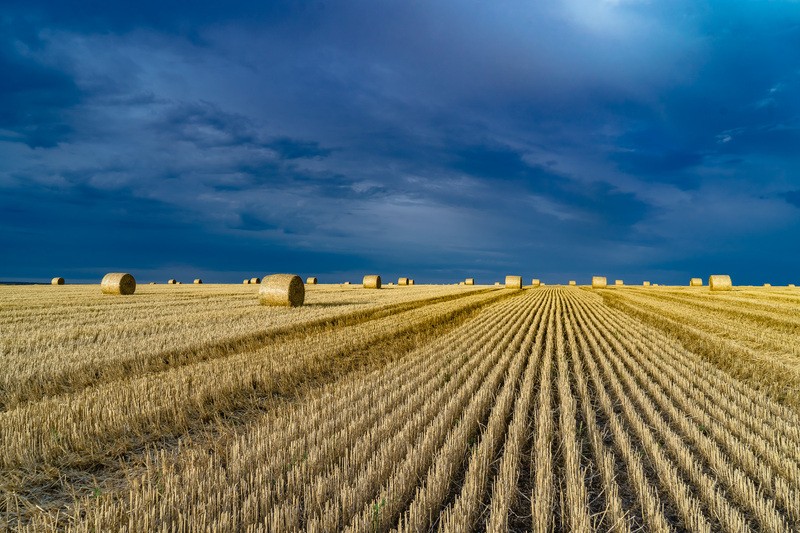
(424,408)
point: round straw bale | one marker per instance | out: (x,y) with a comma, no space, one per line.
(720,282)
(461,283)
(646,284)
(118,283)
(469,281)
(572,282)
(282,290)
(152,283)
(768,285)
(696,282)
(513,282)
(57,281)
(791,285)
(497,283)
(255,281)
(410,281)
(535,282)
(371,281)
(619,282)
(172,282)
(311,281)
(346,283)
(246,282)
(402,281)
(198,281)
(599,282)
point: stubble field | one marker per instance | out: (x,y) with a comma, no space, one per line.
(424,408)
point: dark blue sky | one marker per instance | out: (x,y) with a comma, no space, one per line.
(437,139)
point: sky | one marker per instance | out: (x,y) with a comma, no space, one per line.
(435,139)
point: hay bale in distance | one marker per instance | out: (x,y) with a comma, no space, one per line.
(646,284)
(402,281)
(720,282)
(572,282)
(255,281)
(311,281)
(246,282)
(346,283)
(599,282)
(57,281)
(198,281)
(536,283)
(371,281)
(469,281)
(696,282)
(411,282)
(791,285)
(768,285)
(282,290)
(513,282)
(118,283)
(619,282)
(497,283)
(172,282)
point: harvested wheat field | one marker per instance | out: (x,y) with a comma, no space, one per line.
(426,408)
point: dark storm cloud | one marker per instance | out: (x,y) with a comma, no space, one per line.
(559,137)
(35,98)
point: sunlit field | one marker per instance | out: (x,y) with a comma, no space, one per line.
(408,408)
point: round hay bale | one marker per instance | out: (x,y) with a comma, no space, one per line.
(411,282)
(57,281)
(152,283)
(461,283)
(255,281)
(513,282)
(402,281)
(118,283)
(768,285)
(469,281)
(646,284)
(246,282)
(599,282)
(572,282)
(619,282)
(536,283)
(198,281)
(696,282)
(311,281)
(371,281)
(282,290)
(390,283)
(720,282)
(172,282)
(791,285)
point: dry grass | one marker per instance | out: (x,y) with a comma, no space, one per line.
(439,409)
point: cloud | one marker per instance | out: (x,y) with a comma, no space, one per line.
(514,134)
